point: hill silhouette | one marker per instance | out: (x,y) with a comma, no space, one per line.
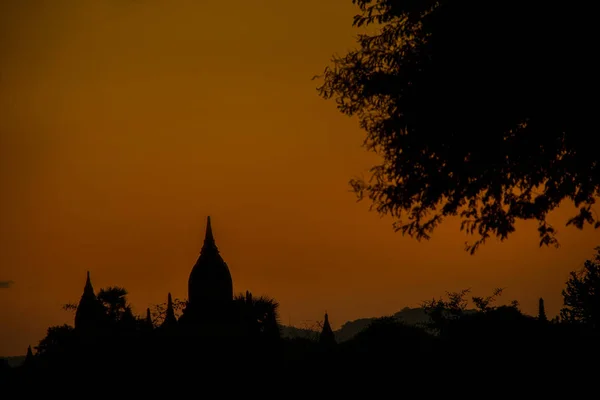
(14,361)
(416,316)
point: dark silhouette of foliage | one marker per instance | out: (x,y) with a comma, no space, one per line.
(57,340)
(387,338)
(484,304)
(542,311)
(114,300)
(477,109)
(260,315)
(312,329)
(454,307)
(71,307)
(158,312)
(582,294)
(444,312)
(308,331)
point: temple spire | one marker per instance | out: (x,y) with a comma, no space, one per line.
(210,286)
(170,319)
(209,239)
(88,289)
(90,312)
(29,357)
(327,336)
(148,317)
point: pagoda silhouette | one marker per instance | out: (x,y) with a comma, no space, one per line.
(211,308)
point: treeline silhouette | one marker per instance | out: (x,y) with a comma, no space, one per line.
(464,340)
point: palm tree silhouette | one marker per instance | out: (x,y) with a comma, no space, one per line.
(114,299)
(259,315)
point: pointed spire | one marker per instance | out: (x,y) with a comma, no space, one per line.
(209,239)
(29,357)
(148,317)
(326,325)
(210,284)
(88,289)
(90,312)
(542,311)
(327,336)
(170,318)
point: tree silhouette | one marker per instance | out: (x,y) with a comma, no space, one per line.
(444,312)
(582,295)
(57,339)
(260,314)
(114,299)
(477,109)
(71,307)
(484,304)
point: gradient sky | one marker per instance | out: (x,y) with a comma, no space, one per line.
(124,123)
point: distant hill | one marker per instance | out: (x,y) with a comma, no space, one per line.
(14,361)
(411,316)
(293,332)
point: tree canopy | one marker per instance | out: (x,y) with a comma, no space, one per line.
(582,294)
(480,110)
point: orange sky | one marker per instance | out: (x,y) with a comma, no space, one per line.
(123,123)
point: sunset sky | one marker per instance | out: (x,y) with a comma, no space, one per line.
(124,123)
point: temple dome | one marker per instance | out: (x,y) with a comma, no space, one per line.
(210,282)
